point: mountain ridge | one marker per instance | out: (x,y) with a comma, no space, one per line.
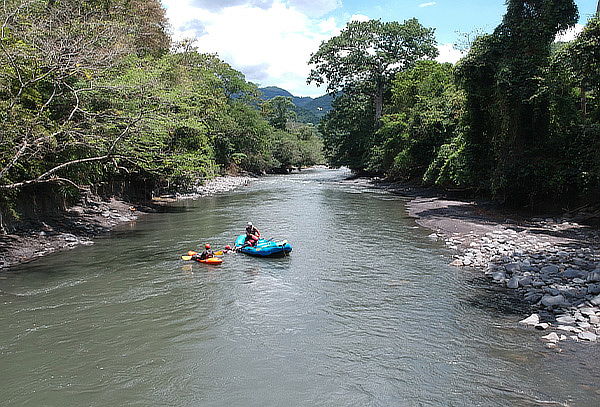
(308,109)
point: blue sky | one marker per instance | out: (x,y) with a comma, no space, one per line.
(270,41)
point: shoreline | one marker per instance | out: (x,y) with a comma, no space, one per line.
(81,223)
(552,263)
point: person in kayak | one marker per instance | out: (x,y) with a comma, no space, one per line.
(206,254)
(252,234)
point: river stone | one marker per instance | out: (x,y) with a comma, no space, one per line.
(595,300)
(533,298)
(551,269)
(588,311)
(552,337)
(533,319)
(588,336)
(512,267)
(594,320)
(565,319)
(584,325)
(499,276)
(553,300)
(513,283)
(594,276)
(525,281)
(568,328)
(542,326)
(593,289)
(574,273)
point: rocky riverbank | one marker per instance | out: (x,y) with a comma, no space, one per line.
(91,218)
(552,263)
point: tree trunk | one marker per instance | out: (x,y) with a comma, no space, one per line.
(583,102)
(378,101)
(598,9)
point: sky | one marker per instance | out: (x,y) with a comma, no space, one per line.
(271,41)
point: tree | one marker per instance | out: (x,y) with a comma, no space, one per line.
(508,118)
(371,52)
(278,111)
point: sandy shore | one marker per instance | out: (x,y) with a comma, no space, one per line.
(81,223)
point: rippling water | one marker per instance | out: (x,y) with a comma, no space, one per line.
(365,311)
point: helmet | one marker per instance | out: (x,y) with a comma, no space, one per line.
(227,247)
(207,246)
(249,223)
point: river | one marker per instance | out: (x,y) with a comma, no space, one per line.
(364,312)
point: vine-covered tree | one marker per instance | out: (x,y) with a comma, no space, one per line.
(509,119)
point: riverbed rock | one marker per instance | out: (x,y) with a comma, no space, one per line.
(553,300)
(533,319)
(594,276)
(587,336)
(499,276)
(552,337)
(594,320)
(574,273)
(595,300)
(551,269)
(566,319)
(542,326)
(513,282)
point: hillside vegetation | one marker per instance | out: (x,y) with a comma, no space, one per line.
(94,93)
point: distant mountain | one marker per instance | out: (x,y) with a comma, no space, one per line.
(309,110)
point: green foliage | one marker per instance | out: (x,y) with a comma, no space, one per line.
(278,111)
(369,54)
(424,114)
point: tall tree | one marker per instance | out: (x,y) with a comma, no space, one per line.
(371,53)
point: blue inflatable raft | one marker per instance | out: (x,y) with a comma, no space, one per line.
(264,248)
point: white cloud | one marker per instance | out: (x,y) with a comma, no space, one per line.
(270,45)
(432,3)
(359,17)
(449,54)
(570,34)
(315,8)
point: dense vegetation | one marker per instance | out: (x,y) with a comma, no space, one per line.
(518,118)
(93,91)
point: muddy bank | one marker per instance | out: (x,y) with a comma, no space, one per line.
(553,263)
(92,217)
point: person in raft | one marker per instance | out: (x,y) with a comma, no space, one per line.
(207,253)
(227,250)
(252,234)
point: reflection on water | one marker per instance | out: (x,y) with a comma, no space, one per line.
(365,311)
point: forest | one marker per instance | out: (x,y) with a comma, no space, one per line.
(95,95)
(517,119)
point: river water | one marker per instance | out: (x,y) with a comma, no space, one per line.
(364,312)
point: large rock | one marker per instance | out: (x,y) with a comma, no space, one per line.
(594,276)
(551,269)
(566,319)
(551,301)
(499,276)
(533,319)
(525,281)
(574,273)
(553,337)
(513,282)
(588,336)
(512,267)
(595,300)
(593,289)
